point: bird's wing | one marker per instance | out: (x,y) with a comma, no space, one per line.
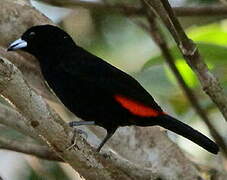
(122,87)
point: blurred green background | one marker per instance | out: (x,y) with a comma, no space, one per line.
(121,42)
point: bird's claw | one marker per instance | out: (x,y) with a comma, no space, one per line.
(73,141)
(72,146)
(80,132)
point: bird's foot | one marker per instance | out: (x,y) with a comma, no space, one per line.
(71,146)
(73,141)
(80,123)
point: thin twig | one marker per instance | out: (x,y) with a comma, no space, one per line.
(122,8)
(191,54)
(189,50)
(158,37)
(207,10)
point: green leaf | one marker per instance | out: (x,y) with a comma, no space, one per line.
(213,33)
(185,71)
(214,55)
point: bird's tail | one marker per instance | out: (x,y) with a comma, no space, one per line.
(188,132)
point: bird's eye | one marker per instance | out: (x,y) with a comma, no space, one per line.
(31,34)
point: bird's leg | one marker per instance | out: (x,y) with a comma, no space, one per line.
(78,123)
(108,136)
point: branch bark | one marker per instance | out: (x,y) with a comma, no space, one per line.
(13,119)
(42,152)
(158,37)
(133,10)
(190,52)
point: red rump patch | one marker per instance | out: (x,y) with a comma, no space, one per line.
(136,107)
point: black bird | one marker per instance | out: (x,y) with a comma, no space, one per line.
(96,91)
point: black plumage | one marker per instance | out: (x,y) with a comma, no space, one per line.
(96,91)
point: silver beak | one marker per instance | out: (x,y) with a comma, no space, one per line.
(18,44)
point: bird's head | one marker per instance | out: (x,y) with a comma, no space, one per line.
(43,41)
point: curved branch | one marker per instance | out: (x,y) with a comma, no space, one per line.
(121,8)
(190,52)
(132,10)
(51,128)
(16,120)
(160,41)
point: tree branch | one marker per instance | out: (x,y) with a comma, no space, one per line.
(41,151)
(190,52)
(28,148)
(44,153)
(132,10)
(13,119)
(121,8)
(158,37)
(51,128)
